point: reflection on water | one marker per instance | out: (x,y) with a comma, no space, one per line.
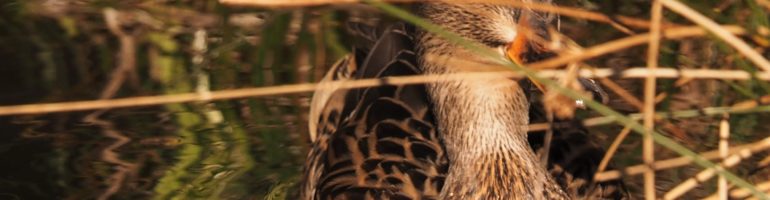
(235,149)
(152,153)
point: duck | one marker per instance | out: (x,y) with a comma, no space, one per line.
(464,139)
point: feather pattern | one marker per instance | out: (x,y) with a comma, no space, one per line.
(380,142)
(425,141)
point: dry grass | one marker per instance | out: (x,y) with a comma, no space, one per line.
(632,73)
(648,109)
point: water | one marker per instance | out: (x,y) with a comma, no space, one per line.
(233,149)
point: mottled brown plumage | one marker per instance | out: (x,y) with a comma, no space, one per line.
(450,140)
(483,123)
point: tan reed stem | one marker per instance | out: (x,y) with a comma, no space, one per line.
(46,108)
(724,135)
(761,145)
(719,31)
(648,144)
(706,174)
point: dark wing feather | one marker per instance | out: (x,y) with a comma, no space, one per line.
(365,36)
(379,142)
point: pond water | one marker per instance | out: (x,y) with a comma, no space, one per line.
(232,149)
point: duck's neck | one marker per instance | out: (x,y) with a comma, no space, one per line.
(484,126)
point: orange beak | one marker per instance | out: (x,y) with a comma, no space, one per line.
(515,51)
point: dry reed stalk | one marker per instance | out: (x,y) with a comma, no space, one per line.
(295,3)
(665,73)
(706,174)
(648,144)
(676,114)
(46,108)
(563,11)
(759,146)
(627,42)
(623,93)
(765,162)
(612,149)
(750,104)
(672,73)
(719,31)
(743,193)
(724,135)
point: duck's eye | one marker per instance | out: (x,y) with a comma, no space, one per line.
(495,43)
(516,14)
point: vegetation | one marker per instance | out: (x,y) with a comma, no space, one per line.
(254,148)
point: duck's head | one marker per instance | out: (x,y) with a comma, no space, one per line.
(516,33)
(510,30)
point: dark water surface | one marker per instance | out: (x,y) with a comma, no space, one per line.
(58,51)
(70,50)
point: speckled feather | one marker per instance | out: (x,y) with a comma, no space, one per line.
(377,143)
(482,122)
(402,142)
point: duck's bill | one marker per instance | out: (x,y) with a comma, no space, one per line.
(516,51)
(518,48)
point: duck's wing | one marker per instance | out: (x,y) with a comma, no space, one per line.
(573,158)
(379,142)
